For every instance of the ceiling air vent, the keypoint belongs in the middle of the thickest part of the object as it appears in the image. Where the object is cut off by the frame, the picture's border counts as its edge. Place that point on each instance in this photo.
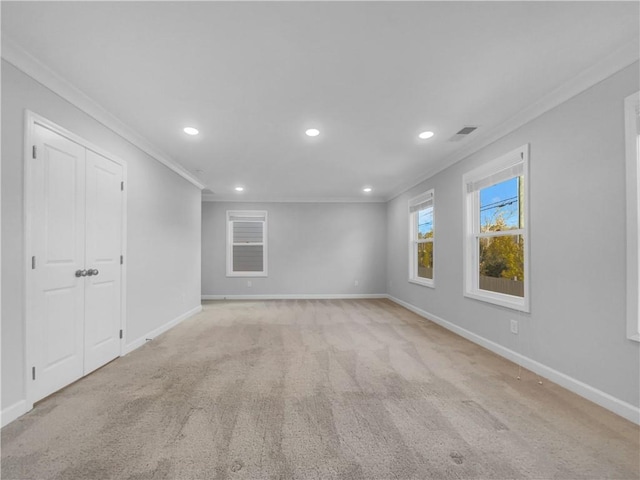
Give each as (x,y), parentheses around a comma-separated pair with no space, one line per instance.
(463,133)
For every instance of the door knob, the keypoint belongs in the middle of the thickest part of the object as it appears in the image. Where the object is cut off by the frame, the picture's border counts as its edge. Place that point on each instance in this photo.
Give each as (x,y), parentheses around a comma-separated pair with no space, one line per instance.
(81,273)
(93,271)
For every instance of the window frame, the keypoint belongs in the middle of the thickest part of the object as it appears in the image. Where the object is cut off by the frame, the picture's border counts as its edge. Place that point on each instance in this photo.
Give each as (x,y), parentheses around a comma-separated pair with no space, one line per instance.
(472,234)
(246,216)
(428,196)
(632,144)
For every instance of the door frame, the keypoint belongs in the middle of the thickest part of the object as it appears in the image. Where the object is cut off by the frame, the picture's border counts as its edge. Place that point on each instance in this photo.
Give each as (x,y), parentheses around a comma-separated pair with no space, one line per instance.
(32,119)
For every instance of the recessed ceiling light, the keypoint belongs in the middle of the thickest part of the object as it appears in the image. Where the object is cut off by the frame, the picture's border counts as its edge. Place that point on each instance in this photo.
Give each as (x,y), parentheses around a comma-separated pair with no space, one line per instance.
(425,135)
(367,189)
(312,132)
(239,189)
(190,131)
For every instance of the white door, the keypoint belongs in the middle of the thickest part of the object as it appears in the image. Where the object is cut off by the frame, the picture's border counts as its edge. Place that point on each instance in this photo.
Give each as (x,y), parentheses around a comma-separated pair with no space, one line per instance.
(58,232)
(103,249)
(76,229)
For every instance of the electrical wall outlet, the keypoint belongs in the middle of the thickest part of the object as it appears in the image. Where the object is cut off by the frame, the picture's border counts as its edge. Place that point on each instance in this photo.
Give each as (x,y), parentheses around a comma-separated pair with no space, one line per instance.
(514,327)
(355,283)
(248,283)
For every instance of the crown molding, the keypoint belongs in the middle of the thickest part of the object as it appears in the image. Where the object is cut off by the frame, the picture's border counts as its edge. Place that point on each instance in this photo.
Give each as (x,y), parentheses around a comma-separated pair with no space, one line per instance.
(613,63)
(42,74)
(212,197)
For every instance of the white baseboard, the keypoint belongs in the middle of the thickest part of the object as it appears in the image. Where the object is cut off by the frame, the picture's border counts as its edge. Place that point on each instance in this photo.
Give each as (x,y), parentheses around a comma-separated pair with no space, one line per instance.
(12,412)
(129,347)
(615,405)
(297,296)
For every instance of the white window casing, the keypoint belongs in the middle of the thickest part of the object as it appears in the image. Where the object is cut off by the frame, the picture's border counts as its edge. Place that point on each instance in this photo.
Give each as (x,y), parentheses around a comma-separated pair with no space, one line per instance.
(246,243)
(425,201)
(632,136)
(511,165)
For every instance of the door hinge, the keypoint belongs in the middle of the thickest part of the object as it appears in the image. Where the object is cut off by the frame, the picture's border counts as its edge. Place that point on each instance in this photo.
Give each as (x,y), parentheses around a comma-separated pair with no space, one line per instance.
(121,259)
(33,263)
(33,373)
(120,333)
(122,186)
(34,151)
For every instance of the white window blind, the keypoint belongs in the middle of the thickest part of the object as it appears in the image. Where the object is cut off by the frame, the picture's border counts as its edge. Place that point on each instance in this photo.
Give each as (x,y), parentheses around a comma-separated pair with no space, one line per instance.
(421,202)
(239,217)
(497,177)
(247,258)
(247,232)
(246,243)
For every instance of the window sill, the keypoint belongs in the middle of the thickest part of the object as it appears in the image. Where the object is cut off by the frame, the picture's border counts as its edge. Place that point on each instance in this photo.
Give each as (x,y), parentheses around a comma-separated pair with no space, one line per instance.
(508,301)
(247,274)
(424,283)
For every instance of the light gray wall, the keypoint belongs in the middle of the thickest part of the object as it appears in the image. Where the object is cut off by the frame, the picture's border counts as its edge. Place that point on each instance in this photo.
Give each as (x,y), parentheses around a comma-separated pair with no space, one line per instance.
(163,238)
(577,236)
(320,248)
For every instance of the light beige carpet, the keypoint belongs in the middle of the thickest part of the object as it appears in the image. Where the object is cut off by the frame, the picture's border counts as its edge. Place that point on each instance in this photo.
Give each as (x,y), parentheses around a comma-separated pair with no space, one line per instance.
(359,389)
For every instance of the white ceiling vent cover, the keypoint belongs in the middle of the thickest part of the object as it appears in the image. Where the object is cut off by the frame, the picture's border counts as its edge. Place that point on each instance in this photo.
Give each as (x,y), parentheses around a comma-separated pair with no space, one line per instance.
(463,133)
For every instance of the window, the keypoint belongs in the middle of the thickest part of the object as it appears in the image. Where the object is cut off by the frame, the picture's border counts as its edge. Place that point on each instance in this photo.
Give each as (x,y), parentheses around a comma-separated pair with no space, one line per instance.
(632,123)
(496,247)
(421,239)
(246,243)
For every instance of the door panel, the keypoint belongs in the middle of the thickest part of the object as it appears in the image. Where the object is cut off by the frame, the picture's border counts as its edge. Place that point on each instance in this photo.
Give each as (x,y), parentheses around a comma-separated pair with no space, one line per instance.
(59,326)
(60,198)
(58,179)
(103,250)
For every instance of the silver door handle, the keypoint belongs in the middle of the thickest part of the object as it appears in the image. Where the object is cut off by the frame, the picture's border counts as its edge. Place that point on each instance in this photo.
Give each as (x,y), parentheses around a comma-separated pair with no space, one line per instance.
(93,271)
(81,273)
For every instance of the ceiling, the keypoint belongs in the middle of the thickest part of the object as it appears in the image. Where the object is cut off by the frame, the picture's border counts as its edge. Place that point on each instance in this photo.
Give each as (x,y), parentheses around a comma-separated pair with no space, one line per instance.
(253,76)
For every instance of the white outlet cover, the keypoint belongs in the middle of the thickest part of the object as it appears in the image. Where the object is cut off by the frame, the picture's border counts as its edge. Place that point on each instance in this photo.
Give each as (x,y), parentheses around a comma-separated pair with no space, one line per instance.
(514,326)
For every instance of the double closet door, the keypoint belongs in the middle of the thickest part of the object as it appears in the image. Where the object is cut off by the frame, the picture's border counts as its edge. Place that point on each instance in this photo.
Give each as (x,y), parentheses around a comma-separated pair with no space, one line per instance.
(76,247)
